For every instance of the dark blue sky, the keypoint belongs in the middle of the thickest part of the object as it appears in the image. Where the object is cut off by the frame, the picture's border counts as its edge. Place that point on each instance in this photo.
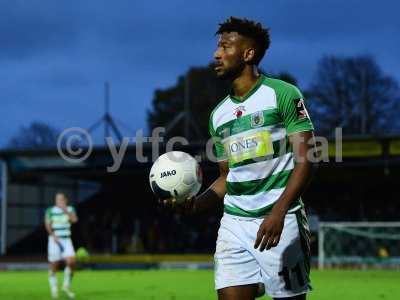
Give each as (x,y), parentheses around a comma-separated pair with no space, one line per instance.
(56,54)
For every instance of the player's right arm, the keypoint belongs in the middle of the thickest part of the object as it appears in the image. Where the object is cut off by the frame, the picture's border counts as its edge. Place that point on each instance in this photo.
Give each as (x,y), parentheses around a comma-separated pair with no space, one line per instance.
(210,199)
(47,225)
(214,195)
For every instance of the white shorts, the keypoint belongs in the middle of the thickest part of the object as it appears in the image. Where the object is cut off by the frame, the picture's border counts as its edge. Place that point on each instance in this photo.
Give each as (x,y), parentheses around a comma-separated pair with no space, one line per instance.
(283,269)
(57,252)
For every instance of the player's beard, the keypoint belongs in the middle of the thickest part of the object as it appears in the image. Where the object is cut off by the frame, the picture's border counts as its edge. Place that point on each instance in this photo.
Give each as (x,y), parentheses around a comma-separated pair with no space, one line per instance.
(231,73)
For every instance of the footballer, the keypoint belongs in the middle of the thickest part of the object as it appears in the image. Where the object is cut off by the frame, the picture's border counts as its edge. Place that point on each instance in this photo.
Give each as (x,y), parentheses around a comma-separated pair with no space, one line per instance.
(263,137)
(58,220)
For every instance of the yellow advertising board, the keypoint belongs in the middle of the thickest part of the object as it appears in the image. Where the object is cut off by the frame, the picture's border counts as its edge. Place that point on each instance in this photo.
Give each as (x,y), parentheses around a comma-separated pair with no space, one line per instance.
(357,148)
(394,147)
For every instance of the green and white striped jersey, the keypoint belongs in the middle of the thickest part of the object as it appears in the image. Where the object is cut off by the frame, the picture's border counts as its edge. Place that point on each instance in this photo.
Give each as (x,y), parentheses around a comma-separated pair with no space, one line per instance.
(252,132)
(59,220)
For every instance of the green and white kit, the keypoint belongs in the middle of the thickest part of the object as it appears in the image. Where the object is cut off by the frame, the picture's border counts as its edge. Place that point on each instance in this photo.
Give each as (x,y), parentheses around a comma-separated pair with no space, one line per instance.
(61,227)
(252,134)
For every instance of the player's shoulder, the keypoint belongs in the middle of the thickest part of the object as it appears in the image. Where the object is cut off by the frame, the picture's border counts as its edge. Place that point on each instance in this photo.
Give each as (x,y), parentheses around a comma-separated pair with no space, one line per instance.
(280,86)
(50,209)
(219,105)
(218,108)
(49,212)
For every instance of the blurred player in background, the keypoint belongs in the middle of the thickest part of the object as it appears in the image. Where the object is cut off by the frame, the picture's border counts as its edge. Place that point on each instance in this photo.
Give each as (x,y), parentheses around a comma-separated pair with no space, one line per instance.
(58,220)
(263,137)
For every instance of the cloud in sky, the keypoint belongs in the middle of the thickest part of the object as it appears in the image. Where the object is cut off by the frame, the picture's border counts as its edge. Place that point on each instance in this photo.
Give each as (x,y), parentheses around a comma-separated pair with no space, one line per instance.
(55,55)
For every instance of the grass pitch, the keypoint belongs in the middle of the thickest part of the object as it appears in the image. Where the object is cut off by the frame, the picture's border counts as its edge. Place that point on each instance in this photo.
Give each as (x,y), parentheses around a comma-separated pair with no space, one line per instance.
(193,285)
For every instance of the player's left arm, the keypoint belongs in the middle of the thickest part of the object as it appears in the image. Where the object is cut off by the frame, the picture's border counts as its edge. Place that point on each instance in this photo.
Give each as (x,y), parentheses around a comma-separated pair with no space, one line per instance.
(301,138)
(270,231)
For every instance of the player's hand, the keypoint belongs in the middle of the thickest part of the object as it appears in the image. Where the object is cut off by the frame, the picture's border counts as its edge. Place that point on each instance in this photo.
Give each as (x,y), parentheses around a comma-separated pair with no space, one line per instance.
(64,207)
(184,207)
(167,203)
(270,231)
(56,239)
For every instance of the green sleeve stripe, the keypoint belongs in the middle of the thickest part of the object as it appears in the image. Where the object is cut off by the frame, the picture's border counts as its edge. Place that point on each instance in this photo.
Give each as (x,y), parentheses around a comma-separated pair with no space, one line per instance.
(286,96)
(211,127)
(210,123)
(219,148)
(47,215)
(299,126)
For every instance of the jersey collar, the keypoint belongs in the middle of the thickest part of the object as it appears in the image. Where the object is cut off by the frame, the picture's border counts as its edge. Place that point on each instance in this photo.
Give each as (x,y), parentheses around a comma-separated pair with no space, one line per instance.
(254,88)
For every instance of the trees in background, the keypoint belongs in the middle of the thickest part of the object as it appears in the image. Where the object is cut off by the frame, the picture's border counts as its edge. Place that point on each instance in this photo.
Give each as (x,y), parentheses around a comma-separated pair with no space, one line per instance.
(37,135)
(355,94)
(204,90)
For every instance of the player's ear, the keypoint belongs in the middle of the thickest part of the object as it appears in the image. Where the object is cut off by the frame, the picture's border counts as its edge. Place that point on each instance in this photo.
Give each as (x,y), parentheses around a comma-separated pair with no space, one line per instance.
(249,54)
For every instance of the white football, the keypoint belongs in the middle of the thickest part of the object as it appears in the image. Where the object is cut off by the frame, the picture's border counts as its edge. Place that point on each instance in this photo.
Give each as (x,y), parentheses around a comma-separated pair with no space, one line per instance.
(176,175)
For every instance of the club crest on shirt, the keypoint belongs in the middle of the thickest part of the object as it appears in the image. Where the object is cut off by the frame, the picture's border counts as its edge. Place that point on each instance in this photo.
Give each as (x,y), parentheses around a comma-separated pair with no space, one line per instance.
(239,111)
(257,119)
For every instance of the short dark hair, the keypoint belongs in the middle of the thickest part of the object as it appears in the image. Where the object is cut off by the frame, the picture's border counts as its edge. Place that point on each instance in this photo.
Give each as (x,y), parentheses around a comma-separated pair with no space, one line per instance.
(249,29)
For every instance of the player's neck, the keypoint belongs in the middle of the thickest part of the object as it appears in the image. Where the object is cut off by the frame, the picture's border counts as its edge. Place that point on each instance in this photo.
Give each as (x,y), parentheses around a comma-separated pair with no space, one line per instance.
(245,82)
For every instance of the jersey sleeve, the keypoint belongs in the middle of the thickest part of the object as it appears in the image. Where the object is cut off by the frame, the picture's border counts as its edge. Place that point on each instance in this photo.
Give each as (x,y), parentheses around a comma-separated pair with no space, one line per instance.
(71,209)
(293,111)
(218,146)
(47,215)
